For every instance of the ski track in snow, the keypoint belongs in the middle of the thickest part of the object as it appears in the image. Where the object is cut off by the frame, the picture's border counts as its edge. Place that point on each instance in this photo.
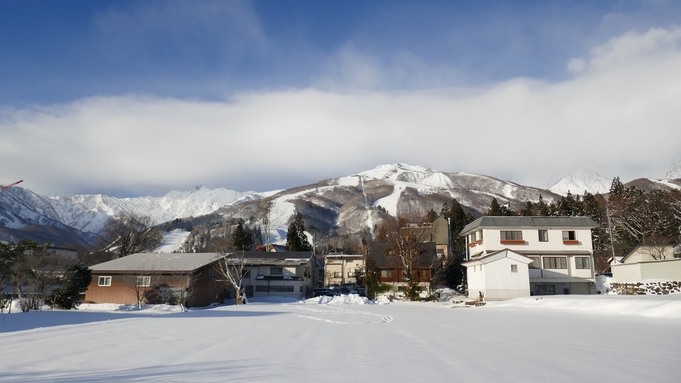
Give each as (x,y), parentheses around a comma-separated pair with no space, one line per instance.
(338,315)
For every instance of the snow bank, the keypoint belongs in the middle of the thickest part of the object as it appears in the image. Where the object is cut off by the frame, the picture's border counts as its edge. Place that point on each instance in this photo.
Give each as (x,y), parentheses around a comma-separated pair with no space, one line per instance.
(352,299)
(668,306)
(129,307)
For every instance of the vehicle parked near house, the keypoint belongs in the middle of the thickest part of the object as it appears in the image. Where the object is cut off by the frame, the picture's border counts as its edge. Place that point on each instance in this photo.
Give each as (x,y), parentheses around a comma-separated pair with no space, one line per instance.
(323,292)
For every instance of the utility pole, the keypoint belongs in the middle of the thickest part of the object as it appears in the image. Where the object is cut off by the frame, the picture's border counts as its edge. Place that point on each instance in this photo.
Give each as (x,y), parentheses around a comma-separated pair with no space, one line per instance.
(10,185)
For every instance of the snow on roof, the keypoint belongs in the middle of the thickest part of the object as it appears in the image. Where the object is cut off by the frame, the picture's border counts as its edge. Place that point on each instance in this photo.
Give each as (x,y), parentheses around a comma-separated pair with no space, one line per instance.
(530,222)
(158,262)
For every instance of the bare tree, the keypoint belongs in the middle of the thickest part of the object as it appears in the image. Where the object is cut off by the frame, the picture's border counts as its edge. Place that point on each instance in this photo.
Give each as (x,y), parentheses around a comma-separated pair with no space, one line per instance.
(178,287)
(266,218)
(128,233)
(138,283)
(658,247)
(231,269)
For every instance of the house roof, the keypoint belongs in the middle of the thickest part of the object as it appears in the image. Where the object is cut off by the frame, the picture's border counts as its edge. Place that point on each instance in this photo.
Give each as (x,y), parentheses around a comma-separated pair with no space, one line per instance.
(530,222)
(497,255)
(177,262)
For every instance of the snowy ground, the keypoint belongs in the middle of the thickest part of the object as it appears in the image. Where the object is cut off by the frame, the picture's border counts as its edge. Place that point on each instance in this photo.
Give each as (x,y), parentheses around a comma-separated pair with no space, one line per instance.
(558,339)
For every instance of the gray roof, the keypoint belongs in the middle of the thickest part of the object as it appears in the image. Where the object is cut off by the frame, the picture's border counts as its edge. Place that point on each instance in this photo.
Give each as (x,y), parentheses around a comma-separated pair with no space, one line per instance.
(530,222)
(157,262)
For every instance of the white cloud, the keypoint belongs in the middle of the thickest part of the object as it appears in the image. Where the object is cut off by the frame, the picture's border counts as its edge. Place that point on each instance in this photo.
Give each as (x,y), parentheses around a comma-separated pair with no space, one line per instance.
(619,115)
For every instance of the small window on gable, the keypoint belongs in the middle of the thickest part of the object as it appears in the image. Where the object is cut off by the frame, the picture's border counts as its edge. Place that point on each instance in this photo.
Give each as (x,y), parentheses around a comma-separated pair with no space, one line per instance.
(514,268)
(104,281)
(543,235)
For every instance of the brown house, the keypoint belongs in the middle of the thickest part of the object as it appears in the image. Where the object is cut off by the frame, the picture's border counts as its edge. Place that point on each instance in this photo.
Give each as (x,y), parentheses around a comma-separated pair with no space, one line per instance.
(392,267)
(188,278)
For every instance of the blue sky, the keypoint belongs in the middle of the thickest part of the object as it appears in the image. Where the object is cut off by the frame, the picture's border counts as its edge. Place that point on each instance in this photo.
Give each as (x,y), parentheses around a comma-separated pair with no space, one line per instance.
(190,89)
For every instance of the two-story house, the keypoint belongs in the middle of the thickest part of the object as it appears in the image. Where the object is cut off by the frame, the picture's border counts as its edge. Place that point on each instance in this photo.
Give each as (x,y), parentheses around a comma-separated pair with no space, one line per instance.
(291,274)
(392,269)
(557,252)
(342,269)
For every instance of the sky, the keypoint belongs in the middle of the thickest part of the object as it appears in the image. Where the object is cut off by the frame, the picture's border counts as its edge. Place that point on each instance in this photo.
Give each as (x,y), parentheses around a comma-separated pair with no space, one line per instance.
(132,98)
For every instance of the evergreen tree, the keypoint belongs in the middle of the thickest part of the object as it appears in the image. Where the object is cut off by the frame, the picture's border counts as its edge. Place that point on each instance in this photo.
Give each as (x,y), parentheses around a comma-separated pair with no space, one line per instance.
(370,277)
(241,239)
(542,208)
(296,240)
(528,210)
(431,216)
(494,209)
(616,188)
(76,280)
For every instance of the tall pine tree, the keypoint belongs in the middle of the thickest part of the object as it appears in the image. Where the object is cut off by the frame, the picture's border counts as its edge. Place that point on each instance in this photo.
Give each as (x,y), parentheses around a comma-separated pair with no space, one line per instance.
(296,239)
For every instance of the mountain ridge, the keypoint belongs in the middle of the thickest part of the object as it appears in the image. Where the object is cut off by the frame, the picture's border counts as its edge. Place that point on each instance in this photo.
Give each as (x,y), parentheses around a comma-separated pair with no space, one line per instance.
(343,205)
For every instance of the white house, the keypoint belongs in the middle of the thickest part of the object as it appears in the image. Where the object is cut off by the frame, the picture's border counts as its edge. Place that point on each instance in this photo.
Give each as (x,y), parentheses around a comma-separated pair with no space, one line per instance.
(646,262)
(560,250)
(499,275)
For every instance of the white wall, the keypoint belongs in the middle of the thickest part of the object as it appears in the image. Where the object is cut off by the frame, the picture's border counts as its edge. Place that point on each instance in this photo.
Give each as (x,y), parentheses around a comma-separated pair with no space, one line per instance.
(492,240)
(637,272)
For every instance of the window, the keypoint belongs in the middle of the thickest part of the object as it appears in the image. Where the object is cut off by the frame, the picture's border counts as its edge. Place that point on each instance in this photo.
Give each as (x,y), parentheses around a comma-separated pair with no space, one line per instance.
(545,290)
(424,273)
(104,281)
(511,235)
(582,263)
(213,274)
(471,238)
(514,268)
(143,281)
(351,274)
(543,235)
(276,271)
(274,289)
(569,235)
(480,235)
(536,264)
(555,263)
(386,273)
(247,274)
(337,274)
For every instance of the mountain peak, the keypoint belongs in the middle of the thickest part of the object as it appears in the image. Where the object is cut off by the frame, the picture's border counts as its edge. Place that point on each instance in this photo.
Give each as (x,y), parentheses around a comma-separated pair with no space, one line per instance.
(675,171)
(581,180)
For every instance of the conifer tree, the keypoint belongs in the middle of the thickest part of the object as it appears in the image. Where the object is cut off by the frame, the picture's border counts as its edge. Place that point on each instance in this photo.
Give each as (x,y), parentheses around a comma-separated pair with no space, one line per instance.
(296,240)
(494,209)
(241,239)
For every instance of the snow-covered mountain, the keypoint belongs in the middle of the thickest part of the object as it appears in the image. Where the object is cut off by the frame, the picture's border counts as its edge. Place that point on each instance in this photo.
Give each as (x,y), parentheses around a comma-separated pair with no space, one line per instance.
(82,216)
(674,171)
(89,213)
(356,203)
(580,181)
(341,206)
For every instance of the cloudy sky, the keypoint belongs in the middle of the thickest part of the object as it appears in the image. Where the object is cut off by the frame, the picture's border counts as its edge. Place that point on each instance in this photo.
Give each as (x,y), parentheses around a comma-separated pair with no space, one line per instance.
(135,98)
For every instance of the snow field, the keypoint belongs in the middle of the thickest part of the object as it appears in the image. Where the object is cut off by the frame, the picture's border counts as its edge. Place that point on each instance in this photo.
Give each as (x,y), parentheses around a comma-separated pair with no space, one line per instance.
(343,339)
